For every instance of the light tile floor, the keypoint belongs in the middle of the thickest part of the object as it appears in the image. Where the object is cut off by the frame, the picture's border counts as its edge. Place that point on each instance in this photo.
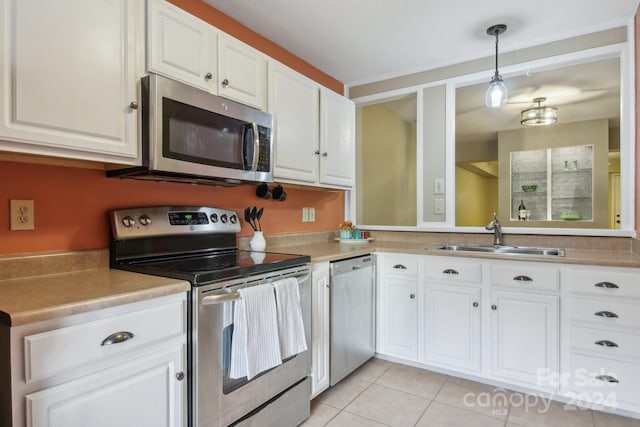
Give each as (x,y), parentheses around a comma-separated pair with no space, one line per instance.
(382,393)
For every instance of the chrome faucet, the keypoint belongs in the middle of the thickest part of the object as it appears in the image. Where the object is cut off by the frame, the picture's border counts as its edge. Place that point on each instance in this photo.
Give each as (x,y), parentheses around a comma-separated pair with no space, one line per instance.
(497,230)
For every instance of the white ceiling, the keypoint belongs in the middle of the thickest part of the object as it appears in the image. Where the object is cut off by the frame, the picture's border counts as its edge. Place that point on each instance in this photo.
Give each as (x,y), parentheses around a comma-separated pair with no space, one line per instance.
(359,41)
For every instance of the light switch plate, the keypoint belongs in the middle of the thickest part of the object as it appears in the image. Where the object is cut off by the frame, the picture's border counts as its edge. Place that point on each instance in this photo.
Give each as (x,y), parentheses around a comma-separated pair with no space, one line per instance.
(312,214)
(438,206)
(438,186)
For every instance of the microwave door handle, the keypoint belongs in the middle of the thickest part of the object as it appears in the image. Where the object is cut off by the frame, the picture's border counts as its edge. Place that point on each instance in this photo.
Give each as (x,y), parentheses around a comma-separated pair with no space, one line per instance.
(256,147)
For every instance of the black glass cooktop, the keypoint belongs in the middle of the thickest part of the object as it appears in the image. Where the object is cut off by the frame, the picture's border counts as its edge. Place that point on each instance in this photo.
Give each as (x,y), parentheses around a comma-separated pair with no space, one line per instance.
(209,268)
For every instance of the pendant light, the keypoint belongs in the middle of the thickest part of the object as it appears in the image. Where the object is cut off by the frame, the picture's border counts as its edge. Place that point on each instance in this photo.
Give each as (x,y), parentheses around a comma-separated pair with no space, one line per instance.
(539,116)
(496,92)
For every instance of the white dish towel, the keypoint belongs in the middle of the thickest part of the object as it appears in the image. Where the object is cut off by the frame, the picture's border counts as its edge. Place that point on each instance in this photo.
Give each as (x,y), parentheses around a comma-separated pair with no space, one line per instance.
(290,323)
(255,345)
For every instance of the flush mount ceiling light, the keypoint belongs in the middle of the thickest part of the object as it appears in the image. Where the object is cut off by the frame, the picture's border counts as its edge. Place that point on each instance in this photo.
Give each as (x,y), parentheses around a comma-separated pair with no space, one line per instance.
(497,91)
(539,116)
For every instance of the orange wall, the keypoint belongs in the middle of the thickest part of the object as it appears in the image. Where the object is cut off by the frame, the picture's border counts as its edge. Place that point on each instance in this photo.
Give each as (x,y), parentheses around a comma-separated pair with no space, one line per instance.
(232,27)
(71,206)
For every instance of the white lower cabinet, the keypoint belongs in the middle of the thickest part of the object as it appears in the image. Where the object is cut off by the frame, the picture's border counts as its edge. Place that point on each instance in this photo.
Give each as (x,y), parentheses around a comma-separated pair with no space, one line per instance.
(320,327)
(141,392)
(400,318)
(120,366)
(524,338)
(451,326)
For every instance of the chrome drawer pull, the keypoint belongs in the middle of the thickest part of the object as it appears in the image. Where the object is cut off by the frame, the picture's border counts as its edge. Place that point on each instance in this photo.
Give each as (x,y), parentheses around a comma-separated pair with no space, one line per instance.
(399,267)
(607,378)
(605,314)
(607,285)
(450,271)
(523,279)
(117,338)
(606,343)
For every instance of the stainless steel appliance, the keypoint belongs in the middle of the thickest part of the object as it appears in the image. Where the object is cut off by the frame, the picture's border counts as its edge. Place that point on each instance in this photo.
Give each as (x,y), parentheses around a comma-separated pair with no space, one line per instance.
(189,135)
(198,244)
(352,315)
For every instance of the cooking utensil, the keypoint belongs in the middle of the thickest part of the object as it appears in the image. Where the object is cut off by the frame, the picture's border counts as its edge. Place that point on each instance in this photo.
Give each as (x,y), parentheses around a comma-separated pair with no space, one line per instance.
(258,216)
(254,214)
(247,217)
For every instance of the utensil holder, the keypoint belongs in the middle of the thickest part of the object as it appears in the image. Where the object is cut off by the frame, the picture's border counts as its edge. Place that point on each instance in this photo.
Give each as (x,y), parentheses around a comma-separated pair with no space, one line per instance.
(258,242)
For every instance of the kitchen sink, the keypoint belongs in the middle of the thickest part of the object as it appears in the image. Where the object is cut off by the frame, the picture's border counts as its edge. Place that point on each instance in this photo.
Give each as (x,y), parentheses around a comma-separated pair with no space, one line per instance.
(501,249)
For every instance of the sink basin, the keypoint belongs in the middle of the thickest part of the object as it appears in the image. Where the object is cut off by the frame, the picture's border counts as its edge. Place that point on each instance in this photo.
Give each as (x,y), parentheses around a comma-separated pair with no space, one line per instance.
(501,249)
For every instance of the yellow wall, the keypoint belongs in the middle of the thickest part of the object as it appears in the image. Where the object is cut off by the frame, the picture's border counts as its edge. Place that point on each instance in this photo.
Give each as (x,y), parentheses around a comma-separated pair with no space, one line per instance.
(476,198)
(386,167)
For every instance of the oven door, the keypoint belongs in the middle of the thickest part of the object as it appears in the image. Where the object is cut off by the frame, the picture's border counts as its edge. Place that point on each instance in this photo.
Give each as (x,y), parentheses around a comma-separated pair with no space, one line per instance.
(217,399)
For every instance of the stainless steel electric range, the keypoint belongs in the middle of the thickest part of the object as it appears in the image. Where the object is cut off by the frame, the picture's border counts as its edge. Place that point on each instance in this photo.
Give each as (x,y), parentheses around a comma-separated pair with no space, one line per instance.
(199,244)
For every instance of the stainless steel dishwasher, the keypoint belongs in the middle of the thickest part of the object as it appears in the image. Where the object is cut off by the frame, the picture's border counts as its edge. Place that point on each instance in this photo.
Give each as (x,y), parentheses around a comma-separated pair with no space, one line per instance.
(352,315)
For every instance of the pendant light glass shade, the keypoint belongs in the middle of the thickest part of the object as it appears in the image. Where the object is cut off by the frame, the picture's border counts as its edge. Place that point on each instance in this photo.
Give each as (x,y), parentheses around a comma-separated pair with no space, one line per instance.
(539,116)
(497,94)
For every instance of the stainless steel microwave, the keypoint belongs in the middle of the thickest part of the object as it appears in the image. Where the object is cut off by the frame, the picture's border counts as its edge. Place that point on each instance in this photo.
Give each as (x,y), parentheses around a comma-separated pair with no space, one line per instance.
(189,135)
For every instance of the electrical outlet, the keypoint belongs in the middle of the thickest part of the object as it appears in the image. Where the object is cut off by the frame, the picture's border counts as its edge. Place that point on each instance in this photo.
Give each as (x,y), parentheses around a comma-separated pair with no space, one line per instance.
(305,214)
(312,214)
(22,214)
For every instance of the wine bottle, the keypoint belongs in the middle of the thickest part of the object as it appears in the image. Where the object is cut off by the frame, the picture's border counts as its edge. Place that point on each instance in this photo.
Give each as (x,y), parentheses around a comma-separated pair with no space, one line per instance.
(521,209)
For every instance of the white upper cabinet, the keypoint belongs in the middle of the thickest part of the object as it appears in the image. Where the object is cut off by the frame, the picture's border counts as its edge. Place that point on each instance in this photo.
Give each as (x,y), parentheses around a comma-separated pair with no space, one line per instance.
(242,72)
(181,46)
(294,103)
(337,139)
(314,131)
(185,48)
(70,72)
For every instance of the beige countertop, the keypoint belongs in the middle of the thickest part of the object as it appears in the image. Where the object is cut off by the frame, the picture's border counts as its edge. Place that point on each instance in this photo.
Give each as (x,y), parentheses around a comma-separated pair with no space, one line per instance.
(34,299)
(332,251)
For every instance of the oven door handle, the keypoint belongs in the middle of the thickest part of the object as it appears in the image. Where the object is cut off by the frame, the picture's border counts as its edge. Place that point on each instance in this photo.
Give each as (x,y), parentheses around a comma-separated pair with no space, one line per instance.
(231,296)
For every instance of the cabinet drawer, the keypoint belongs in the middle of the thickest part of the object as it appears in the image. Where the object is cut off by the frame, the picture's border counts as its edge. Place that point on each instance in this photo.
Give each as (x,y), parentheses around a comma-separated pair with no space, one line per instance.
(605,343)
(452,270)
(401,265)
(604,312)
(536,276)
(603,282)
(604,381)
(49,353)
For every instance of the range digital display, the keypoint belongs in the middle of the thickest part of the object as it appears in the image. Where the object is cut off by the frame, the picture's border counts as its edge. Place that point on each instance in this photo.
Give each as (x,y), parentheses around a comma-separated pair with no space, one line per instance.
(188,218)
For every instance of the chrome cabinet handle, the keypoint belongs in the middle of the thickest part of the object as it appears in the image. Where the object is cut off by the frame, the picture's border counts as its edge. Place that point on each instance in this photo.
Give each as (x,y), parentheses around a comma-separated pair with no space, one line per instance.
(117,338)
(605,313)
(607,285)
(317,152)
(325,154)
(523,279)
(180,376)
(475,303)
(208,76)
(606,343)
(412,296)
(494,307)
(133,105)
(225,83)
(399,267)
(450,271)
(607,378)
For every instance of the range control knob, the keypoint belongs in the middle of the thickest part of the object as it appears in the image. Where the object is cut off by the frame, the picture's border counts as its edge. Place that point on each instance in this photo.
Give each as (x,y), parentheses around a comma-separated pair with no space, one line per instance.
(214,217)
(145,219)
(233,219)
(224,218)
(128,221)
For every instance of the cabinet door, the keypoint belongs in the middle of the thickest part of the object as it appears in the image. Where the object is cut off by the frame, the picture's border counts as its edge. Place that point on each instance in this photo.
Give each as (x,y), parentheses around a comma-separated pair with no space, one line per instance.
(320,331)
(524,337)
(144,392)
(181,46)
(337,139)
(294,103)
(452,325)
(399,320)
(242,72)
(70,73)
